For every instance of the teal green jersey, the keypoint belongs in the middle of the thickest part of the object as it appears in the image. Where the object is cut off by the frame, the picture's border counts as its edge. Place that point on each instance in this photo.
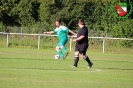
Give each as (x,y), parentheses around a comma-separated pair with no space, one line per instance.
(61,32)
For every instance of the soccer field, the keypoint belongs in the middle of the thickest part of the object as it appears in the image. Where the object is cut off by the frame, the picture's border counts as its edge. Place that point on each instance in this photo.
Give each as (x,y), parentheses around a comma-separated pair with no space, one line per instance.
(32,68)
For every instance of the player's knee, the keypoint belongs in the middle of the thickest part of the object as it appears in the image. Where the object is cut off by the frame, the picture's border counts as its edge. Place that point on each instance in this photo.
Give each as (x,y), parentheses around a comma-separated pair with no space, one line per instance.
(57,48)
(77,53)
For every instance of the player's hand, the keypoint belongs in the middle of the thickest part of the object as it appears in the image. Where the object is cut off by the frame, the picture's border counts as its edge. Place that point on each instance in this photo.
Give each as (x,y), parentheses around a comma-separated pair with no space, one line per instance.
(44,32)
(75,34)
(74,40)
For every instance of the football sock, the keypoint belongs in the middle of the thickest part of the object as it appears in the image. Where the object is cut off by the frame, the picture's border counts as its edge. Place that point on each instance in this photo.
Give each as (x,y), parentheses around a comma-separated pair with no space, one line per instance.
(64,49)
(87,59)
(60,53)
(76,59)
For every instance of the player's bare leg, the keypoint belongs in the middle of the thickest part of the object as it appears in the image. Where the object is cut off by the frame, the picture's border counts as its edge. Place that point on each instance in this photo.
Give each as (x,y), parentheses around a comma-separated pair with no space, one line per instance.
(63,47)
(59,51)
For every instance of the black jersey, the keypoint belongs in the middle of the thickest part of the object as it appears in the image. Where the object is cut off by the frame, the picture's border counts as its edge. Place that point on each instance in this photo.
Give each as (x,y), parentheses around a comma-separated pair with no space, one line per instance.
(83,31)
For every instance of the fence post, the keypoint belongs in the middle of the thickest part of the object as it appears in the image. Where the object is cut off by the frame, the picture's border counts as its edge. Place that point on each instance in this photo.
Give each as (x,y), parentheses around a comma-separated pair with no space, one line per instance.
(71,43)
(21,32)
(38,42)
(103,44)
(7,40)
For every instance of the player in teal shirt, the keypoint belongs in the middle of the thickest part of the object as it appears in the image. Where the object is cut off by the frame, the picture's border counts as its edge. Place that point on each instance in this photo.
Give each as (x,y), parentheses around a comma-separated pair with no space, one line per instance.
(62,34)
(61,31)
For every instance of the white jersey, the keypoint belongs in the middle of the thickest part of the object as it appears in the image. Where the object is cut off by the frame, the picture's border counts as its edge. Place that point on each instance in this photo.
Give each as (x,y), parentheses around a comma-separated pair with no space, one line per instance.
(61,32)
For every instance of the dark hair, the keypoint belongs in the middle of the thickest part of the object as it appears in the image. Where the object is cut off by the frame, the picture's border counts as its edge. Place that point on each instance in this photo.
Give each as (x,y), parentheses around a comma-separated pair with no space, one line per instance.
(58,21)
(81,21)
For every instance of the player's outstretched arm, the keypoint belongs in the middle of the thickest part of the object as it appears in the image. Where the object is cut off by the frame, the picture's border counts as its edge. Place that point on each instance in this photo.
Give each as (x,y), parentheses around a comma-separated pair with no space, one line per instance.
(72,33)
(79,38)
(50,32)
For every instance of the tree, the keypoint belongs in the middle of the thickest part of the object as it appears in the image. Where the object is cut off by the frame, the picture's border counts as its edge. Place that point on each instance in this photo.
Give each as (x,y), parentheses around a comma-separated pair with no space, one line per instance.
(5,12)
(24,12)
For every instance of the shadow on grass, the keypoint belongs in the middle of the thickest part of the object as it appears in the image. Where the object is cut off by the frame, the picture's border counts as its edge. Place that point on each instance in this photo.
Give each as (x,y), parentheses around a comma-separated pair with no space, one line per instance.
(117,68)
(21,59)
(61,69)
(72,69)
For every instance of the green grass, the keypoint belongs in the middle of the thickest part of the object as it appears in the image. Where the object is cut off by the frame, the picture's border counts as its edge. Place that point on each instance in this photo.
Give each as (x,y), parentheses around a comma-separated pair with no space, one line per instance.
(32,68)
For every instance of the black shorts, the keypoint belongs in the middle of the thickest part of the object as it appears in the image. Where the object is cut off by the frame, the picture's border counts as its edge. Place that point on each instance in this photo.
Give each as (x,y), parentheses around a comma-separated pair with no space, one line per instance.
(82,48)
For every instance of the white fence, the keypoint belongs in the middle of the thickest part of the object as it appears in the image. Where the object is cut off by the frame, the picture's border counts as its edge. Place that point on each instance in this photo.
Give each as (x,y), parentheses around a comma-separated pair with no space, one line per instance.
(71,38)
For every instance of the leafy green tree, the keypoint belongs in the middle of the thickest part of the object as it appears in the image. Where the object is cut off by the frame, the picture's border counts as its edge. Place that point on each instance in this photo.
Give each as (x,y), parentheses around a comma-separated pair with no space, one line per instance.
(24,13)
(5,9)
(45,14)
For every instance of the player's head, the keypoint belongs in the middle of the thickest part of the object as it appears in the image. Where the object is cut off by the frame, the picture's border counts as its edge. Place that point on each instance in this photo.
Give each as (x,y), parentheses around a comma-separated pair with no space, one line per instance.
(58,23)
(81,23)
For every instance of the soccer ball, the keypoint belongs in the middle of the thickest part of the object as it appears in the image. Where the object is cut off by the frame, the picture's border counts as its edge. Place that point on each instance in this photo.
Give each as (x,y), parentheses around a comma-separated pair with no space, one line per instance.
(57,56)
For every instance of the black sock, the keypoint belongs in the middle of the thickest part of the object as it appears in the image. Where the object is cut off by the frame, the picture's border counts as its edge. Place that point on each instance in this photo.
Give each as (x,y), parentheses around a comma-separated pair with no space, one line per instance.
(87,59)
(76,59)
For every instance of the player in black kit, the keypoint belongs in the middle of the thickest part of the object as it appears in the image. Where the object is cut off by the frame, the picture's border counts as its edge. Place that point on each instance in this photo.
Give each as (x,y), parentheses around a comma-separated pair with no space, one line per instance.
(81,44)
